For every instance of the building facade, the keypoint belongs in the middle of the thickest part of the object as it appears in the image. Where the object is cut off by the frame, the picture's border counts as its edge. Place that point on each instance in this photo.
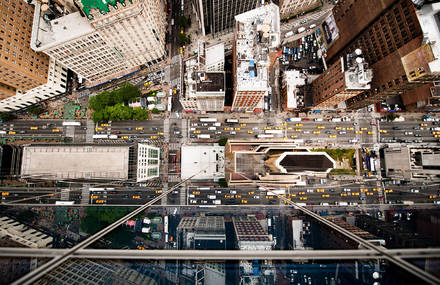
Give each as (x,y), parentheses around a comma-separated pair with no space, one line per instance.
(23,234)
(344,79)
(148,162)
(217,17)
(26,76)
(256,39)
(106,41)
(290,8)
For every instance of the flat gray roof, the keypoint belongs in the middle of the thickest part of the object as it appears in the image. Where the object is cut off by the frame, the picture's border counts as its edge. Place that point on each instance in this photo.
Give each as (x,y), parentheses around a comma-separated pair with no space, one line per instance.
(75,162)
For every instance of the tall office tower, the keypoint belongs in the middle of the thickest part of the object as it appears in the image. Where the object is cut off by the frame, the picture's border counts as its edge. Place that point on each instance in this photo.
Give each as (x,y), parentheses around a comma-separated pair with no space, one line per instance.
(347,77)
(294,7)
(217,16)
(205,80)
(391,34)
(98,40)
(256,40)
(22,69)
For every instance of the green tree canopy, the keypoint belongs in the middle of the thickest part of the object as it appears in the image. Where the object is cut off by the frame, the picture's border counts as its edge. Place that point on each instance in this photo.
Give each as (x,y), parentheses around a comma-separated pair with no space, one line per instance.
(222,141)
(4,116)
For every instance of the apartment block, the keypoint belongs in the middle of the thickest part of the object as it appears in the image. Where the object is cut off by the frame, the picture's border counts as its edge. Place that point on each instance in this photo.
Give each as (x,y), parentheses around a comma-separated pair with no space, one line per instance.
(26,76)
(216,17)
(348,77)
(256,39)
(23,234)
(101,41)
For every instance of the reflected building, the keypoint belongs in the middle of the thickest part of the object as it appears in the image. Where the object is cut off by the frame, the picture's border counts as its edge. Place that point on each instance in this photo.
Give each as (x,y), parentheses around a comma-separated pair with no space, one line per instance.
(204,232)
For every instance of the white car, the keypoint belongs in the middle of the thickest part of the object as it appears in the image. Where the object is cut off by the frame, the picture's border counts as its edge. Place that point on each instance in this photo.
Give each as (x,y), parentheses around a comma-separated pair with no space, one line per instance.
(256,197)
(193,201)
(414,190)
(309,190)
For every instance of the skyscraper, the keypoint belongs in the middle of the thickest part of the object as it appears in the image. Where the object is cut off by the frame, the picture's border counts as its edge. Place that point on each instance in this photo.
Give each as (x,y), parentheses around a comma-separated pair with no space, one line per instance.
(294,7)
(347,77)
(22,70)
(100,41)
(256,39)
(217,16)
(386,32)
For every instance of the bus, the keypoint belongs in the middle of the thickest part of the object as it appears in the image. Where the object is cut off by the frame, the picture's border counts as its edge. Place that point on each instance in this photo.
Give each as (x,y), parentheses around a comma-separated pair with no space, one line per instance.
(213,120)
(64,202)
(264,136)
(113,137)
(169,104)
(72,124)
(231,121)
(204,136)
(273,131)
(100,136)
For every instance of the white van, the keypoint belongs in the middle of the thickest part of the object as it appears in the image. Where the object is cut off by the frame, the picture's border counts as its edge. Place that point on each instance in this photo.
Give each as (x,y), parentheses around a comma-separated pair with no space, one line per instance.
(300,30)
(318,120)
(212,128)
(312,26)
(288,34)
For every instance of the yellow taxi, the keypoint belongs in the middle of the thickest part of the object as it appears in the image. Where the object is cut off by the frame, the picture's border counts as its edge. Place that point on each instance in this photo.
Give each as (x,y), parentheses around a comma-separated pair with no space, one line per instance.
(244,201)
(321,127)
(5,193)
(284,124)
(320,190)
(363,129)
(301,193)
(12,133)
(98,129)
(316,132)
(359,132)
(278,128)
(94,197)
(338,128)
(196,132)
(298,130)
(303,198)
(146,84)
(285,138)
(250,132)
(437,136)
(388,190)
(332,136)
(354,193)
(227,129)
(237,195)
(124,137)
(299,125)
(286,202)
(383,131)
(376,189)
(290,128)
(160,133)
(180,51)
(423,125)
(99,201)
(269,197)
(243,125)
(158,191)
(55,130)
(237,129)
(363,189)
(350,129)
(268,128)
(139,128)
(136,197)
(371,133)
(104,125)
(325,195)
(293,136)
(369,193)
(227,196)
(432,196)
(251,192)
(343,194)
(33,128)
(151,137)
(292,195)
(196,192)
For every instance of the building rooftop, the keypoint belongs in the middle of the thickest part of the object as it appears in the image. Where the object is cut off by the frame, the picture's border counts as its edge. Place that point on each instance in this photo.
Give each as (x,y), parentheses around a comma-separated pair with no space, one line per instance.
(431,160)
(215,54)
(249,229)
(257,33)
(293,79)
(356,71)
(101,5)
(305,161)
(75,162)
(207,161)
(210,81)
(51,28)
(397,161)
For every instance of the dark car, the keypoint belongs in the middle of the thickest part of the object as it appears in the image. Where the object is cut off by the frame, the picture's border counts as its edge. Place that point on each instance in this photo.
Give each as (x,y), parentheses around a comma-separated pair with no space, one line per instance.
(192,136)
(116,132)
(129,129)
(154,129)
(179,136)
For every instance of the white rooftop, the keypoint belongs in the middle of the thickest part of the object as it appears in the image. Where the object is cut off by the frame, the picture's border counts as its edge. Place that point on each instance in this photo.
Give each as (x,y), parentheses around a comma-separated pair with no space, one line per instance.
(428,21)
(46,34)
(215,54)
(293,79)
(207,161)
(75,162)
(258,32)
